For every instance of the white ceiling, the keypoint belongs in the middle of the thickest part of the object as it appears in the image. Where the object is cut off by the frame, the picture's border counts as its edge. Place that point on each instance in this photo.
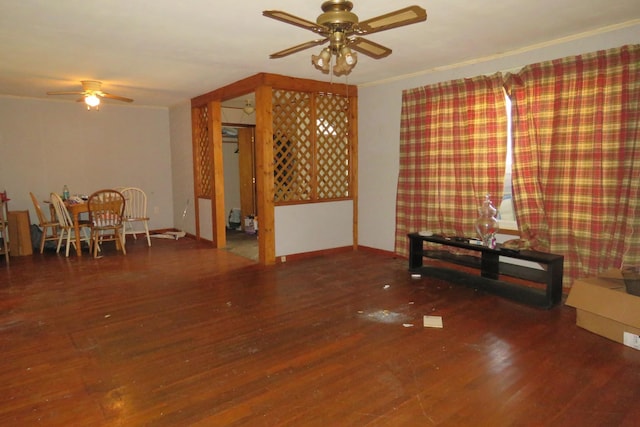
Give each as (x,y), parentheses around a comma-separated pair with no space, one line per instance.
(163,52)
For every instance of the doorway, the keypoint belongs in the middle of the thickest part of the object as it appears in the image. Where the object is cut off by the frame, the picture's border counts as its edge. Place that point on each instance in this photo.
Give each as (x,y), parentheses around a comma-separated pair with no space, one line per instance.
(240,189)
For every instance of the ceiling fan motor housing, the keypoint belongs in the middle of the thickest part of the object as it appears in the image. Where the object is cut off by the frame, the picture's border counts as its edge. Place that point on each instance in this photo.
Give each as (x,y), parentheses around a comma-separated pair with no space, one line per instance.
(337,15)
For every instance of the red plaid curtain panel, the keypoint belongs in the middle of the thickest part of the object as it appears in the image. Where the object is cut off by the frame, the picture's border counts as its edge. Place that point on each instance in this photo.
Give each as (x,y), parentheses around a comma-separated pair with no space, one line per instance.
(576,157)
(452,153)
(576,168)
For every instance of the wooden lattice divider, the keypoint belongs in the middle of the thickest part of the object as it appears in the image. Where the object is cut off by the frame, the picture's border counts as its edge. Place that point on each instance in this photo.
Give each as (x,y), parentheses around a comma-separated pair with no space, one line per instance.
(203,149)
(311,146)
(293,146)
(332,146)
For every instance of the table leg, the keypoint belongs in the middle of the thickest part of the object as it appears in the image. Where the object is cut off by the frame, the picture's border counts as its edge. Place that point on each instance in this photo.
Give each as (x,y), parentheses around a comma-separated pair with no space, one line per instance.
(554,281)
(415,252)
(76,228)
(490,265)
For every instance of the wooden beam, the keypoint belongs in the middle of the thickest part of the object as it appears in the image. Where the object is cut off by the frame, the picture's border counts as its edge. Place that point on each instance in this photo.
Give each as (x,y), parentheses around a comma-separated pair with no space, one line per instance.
(275,81)
(195,131)
(217,198)
(264,175)
(353,139)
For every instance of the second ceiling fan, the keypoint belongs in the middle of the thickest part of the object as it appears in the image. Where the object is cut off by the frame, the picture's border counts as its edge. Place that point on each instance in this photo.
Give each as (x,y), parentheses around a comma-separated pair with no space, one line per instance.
(91,94)
(343,30)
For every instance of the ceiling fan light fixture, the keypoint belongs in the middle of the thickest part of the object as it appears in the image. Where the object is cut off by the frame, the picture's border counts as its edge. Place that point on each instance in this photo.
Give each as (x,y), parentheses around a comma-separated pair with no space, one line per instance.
(349,57)
(341,68)
(325,57)
(248,108)
(92,101)
(91,94)
(345,63)
(322,61)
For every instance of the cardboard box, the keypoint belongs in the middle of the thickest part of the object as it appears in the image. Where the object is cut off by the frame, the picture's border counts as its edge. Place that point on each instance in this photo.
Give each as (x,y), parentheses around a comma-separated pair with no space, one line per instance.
(19,233)
(604,307)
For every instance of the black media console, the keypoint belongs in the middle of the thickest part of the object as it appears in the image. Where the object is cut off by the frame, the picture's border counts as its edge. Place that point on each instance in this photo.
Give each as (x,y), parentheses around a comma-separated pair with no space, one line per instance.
(491,268)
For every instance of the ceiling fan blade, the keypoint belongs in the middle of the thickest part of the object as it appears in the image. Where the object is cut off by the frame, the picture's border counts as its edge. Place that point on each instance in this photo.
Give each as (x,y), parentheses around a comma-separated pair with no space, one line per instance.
(294,20)
(369,48)
(66,93)
(399,18)
(298,48)
(116,97)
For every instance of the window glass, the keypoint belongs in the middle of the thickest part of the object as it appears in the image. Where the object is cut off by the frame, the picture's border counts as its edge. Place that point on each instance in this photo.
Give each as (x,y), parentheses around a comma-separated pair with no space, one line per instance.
(506,214)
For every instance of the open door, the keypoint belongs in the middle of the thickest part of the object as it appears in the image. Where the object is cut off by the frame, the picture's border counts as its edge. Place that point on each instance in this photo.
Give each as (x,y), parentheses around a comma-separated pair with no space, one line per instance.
(247,167)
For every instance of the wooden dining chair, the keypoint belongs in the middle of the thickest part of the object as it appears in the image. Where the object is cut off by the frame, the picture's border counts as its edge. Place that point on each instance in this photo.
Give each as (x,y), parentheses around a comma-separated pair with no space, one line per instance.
(49,226)
(65,223)
(4,230)
(106,210)
(135,211)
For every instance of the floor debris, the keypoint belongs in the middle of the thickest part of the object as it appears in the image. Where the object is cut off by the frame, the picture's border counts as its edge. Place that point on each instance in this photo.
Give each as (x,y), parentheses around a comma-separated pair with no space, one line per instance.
(386,316)
(432,321)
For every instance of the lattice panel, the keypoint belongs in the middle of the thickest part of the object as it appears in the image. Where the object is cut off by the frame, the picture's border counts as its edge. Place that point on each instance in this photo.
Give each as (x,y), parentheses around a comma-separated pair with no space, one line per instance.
(292,146)
(332,146)
(203,147)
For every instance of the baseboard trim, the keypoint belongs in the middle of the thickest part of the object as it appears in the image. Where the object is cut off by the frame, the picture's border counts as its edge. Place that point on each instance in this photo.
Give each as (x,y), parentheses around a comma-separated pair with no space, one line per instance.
(389,254)
(305,255)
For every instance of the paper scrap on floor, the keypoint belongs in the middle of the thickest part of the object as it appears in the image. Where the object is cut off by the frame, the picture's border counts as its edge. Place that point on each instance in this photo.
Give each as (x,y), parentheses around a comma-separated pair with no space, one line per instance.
(432,321)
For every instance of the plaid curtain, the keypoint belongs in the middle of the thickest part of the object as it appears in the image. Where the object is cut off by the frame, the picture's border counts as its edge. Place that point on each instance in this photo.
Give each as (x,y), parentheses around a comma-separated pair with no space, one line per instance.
(576,158)
(452,153)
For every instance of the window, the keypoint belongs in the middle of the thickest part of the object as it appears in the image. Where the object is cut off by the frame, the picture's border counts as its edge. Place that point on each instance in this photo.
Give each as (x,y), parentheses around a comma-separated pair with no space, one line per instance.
(506,215)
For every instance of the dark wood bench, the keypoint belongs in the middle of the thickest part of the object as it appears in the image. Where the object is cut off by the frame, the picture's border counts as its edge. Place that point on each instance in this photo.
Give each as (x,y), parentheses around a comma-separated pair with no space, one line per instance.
(491,268)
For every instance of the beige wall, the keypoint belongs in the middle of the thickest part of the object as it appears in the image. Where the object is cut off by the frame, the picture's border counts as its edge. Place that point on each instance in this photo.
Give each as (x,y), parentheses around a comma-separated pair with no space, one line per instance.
(182,166)
(45,144)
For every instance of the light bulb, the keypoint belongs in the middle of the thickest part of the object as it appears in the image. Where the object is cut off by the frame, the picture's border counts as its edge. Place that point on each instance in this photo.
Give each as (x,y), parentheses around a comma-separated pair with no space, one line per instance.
(92,100)
(349,57)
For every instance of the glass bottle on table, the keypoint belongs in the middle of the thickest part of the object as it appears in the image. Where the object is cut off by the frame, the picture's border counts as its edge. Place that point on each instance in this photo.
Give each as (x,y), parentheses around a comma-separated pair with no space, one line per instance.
(487,225)
(65,193)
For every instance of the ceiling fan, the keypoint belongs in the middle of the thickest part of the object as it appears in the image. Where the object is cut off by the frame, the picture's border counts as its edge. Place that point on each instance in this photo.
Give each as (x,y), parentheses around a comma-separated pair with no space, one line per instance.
(91,94)
(342,29)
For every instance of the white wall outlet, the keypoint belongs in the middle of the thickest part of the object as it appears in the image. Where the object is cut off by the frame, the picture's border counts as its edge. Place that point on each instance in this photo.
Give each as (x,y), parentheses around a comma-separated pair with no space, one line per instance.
(631,340)
(283,259)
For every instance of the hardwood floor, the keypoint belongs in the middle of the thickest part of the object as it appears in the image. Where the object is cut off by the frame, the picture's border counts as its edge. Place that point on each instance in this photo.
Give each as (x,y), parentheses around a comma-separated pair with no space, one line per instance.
(180,334)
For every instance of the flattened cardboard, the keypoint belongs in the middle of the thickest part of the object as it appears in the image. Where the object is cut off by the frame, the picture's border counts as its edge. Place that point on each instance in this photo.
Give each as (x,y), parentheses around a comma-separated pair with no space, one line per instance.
(604,307)
(612,273)
(432,321)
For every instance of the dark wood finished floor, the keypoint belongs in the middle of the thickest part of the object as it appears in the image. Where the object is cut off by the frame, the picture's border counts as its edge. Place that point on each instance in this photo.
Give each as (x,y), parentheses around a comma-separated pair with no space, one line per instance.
(180,334)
